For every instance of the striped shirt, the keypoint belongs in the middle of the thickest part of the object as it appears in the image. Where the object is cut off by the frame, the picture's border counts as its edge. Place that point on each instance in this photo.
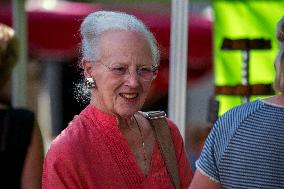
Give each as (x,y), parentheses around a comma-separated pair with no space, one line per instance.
(245,149)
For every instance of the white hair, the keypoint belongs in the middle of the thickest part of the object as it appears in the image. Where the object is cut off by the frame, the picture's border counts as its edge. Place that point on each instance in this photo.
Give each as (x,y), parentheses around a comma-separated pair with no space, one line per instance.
(98,22)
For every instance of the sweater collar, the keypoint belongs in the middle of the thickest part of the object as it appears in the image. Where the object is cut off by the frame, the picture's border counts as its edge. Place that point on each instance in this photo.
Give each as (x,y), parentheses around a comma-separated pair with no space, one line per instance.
(107,122)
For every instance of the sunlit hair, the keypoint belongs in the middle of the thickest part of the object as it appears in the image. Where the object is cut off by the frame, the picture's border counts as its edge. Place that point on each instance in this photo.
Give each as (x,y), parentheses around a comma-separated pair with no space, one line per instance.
(98,22)
(9,52)
(279,78)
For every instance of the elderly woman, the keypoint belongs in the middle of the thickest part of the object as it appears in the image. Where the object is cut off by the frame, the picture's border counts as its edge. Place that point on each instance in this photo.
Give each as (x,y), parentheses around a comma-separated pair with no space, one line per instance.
(110,144)
(245,149)
(21,148)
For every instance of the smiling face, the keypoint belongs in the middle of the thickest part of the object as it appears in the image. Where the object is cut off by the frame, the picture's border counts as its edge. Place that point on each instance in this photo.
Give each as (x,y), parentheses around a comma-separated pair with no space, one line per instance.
(120,94)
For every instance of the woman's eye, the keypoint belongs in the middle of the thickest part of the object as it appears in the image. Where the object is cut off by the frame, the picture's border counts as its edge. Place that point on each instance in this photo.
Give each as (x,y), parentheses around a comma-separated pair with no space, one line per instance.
(145,70)
(119,70)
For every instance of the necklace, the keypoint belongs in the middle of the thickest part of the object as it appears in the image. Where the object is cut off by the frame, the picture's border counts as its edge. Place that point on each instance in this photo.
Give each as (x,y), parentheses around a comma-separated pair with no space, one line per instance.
(143,146)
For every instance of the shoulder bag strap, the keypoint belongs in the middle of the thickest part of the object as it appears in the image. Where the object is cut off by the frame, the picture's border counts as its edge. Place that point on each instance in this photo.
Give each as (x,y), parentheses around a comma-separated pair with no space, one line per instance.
(163,136)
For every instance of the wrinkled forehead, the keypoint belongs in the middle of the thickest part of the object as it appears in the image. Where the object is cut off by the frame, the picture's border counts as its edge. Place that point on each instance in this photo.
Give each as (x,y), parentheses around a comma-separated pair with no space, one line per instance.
(124,44)
(124,37)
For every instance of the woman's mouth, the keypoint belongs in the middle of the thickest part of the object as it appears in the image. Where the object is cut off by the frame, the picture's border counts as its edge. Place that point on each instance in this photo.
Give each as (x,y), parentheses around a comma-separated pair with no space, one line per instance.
(129,96)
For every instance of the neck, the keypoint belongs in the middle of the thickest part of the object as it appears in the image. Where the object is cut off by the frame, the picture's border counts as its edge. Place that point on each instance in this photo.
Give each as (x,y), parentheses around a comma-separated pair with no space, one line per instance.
(123,121)
(277,99)
(126,123)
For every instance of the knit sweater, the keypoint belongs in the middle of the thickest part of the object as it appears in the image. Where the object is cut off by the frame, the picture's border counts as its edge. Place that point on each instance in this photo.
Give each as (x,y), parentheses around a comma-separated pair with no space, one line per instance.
(92,153)
(245,149)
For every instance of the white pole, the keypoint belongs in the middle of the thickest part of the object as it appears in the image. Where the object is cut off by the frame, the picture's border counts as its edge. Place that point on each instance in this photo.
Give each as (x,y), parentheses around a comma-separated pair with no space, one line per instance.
(19,76)
(178,64)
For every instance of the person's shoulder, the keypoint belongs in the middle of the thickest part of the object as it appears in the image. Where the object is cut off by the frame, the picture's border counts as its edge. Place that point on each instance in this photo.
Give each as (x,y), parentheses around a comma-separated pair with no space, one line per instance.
(240,112)
(72,129)
(172,125)
(175,132)
(78,132)
(69,138)
(169,123)
(153,115)
(230,121)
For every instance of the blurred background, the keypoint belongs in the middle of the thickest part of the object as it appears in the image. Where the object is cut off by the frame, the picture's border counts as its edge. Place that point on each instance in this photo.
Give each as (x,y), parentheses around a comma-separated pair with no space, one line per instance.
(219,75)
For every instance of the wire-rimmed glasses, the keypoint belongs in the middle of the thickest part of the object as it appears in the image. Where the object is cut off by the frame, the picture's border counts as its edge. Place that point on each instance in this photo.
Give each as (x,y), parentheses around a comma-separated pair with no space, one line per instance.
(145,72)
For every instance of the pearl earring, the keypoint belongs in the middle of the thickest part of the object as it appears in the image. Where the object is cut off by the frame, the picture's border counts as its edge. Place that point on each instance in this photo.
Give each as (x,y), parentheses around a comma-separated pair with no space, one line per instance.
(90,82)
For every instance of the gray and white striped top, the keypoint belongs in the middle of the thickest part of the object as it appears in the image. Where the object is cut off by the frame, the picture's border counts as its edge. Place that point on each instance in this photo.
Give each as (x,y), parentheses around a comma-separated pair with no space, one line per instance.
(245,149)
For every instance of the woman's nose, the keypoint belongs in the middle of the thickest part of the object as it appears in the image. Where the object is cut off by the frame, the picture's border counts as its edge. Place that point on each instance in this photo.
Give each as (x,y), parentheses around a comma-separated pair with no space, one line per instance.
(132,78)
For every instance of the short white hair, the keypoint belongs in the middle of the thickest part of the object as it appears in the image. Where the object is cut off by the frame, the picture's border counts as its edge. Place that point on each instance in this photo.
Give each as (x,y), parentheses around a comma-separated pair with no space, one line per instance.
(98,22)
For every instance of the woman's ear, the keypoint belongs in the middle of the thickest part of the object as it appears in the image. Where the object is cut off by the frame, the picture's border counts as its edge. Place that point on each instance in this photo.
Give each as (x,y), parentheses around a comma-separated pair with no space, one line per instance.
(87,67)
(155,75)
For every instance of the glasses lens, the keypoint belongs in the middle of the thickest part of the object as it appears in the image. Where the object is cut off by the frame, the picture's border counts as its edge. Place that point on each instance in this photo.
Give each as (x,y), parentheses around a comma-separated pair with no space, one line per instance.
(118,70)
(146,73)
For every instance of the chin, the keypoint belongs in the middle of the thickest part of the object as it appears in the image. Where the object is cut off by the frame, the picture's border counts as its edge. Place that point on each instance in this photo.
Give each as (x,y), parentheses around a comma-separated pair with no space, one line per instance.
(127,113)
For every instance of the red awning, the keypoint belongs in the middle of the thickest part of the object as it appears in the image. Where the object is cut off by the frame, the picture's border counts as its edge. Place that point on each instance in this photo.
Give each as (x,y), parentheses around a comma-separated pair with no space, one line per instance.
(55,33)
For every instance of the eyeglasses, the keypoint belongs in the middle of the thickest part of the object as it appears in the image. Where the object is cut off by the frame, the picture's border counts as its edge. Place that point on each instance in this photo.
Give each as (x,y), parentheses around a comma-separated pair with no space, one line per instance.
(145,72)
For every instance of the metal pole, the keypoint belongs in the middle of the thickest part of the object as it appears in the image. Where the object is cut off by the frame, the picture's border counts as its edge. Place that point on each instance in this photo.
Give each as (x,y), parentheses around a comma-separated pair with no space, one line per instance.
(245,71)
(19,78)
(178,64)
(53,78)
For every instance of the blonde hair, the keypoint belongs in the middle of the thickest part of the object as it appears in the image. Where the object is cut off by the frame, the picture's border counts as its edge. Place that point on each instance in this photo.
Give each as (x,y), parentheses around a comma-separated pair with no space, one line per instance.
(9,52)
(279,78)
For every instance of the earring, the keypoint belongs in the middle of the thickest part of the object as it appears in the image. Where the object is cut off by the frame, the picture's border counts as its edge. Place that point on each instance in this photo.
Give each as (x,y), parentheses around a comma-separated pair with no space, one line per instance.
(90,82)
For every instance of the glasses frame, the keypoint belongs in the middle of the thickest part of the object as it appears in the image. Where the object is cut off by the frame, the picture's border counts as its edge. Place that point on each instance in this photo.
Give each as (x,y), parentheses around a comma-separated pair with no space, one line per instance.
(154,70)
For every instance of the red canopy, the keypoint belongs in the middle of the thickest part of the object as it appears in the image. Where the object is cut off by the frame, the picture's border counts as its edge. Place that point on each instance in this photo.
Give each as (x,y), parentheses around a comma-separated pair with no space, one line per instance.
(55,33)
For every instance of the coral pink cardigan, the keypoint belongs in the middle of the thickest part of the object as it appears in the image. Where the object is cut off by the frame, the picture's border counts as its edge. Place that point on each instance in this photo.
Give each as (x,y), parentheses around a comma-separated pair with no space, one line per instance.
(92,153)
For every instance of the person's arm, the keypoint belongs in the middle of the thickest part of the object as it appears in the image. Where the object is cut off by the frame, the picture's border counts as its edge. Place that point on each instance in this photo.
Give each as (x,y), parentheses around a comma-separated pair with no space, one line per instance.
(32,170)
(206,175)
(201,181)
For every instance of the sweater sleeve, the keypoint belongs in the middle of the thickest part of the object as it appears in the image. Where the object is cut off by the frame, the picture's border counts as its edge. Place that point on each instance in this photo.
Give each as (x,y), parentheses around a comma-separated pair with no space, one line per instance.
(185,172)
(207,162)
(219,139)
(58,169)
